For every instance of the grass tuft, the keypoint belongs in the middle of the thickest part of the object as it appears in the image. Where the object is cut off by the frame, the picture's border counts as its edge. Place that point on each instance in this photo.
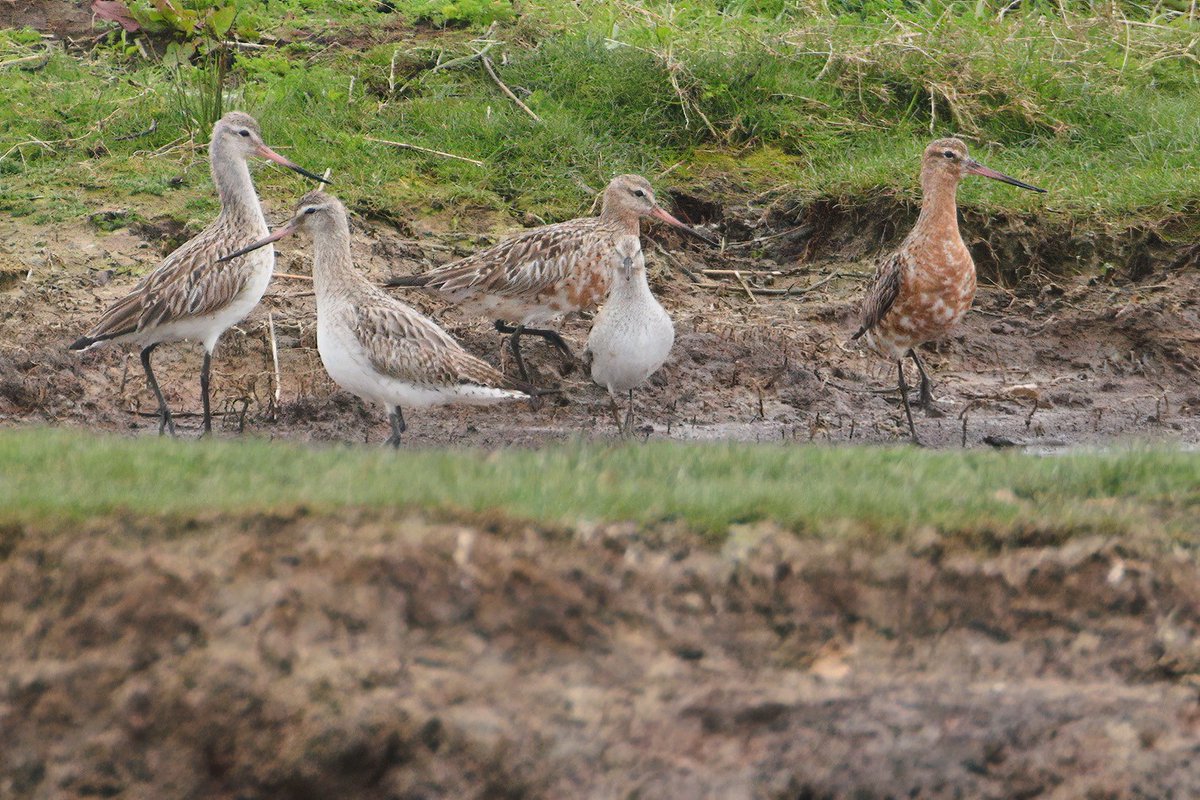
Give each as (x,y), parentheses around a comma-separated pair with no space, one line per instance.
(835,99)
(989,500)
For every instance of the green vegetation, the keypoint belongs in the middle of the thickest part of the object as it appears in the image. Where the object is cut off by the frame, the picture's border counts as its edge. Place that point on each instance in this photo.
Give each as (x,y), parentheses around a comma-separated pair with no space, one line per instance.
(1149,498)
(833,98)
(816,100)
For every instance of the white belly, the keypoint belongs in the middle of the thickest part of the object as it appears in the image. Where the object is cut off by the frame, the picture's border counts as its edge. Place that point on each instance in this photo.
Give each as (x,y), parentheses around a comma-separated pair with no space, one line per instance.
(347,363)
(628,347)
(209,327)
(511,310)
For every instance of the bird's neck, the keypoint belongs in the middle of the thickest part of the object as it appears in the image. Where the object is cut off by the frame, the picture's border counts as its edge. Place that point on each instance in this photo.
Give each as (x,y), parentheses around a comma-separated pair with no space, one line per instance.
(626,221)
(634,290)
(333,265)
(939,209)
(231,175)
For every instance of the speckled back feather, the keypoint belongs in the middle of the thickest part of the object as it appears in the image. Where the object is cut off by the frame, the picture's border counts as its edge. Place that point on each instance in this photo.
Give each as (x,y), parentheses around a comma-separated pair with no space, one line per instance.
(885,287)
(190,283)
(530,264)
(403,344)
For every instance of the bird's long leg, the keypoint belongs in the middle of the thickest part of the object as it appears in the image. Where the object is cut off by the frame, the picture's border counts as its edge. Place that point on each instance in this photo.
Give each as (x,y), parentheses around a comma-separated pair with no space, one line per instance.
(165,422)
(204,374)
(398,427)
(552,337)
(514,345)
(627,428)
(569,359)
(904,399)
(925,395)
(616,412)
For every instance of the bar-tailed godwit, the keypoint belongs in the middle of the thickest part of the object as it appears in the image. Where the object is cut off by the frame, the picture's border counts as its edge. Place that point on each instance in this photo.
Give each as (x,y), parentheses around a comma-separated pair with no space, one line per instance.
(544,273)
(924,288)
(632,334)
(371,344)
(193,294)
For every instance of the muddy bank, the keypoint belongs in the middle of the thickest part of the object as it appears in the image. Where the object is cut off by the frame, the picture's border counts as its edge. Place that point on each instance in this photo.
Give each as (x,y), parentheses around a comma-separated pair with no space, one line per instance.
(761,354)
(302,657)
(1011,250)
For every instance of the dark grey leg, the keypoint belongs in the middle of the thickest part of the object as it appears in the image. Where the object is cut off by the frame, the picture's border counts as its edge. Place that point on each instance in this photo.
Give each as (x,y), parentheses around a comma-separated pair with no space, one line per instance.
(627,428)
(398,427)
(164,413)
(904,399)
(925,394)
(553,337)
(514,345)
(204,373)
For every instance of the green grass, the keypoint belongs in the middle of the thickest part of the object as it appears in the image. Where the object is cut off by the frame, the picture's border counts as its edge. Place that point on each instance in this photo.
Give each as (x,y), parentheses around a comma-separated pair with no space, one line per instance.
(1148,498)
(821,99)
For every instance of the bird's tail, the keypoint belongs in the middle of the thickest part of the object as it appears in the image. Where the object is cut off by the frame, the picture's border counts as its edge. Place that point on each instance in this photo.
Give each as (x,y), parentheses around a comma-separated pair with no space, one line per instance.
(84,342)
(407,280)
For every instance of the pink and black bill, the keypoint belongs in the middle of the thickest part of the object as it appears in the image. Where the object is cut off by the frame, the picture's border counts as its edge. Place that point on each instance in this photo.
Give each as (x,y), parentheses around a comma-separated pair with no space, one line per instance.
(271,155)
(975,168)
(658,212)
(283,230)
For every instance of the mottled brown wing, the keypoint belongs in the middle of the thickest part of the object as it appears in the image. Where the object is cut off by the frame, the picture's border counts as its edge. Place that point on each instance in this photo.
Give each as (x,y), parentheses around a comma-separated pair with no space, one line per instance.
(525,265)
(407,346)
(189,283)
(193,283)
(885,287)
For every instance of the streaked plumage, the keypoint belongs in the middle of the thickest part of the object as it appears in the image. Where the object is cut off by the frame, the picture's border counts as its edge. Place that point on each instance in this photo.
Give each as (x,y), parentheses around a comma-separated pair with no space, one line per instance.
(923,289)
(631,336)
(536,276)
(193,294)
(540,275)
(375,346)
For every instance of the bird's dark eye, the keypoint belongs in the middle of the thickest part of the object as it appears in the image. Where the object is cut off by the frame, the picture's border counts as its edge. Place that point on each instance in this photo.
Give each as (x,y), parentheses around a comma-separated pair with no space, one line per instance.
(949,154)
(244,133)
(638,193)
(310,210)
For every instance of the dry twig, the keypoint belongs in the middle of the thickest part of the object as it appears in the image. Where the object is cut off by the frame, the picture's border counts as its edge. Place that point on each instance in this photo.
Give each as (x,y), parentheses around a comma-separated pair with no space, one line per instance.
(487,65)
(428,150)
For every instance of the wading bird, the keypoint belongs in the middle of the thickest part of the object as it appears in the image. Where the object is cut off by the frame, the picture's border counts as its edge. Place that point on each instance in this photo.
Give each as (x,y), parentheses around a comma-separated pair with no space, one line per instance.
(544,273)
(924,288)
(371,344)
(194,293)
(632,334)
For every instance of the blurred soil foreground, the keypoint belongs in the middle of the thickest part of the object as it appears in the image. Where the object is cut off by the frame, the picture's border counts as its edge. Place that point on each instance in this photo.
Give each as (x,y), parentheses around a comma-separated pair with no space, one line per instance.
(304,656)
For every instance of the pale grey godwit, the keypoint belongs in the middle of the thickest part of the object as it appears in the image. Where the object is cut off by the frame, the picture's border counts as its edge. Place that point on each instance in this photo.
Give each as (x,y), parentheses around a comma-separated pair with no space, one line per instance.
(924,288)
(371,344)
(194,294)
(544,273)
(632,334)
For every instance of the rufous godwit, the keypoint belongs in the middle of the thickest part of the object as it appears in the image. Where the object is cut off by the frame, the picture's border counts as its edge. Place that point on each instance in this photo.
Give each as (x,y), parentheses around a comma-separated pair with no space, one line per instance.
(194,294)
(541,274)
(371,344)
(632,334)
(924,288)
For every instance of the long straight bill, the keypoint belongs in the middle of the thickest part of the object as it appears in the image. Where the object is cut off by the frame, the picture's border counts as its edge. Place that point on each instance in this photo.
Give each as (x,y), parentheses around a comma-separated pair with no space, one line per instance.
(284,230)
(975,168)
(658,212)
(271,155)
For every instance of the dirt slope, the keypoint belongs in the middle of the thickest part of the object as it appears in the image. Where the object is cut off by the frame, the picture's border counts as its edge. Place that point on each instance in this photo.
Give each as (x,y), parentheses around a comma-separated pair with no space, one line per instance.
(307,657)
